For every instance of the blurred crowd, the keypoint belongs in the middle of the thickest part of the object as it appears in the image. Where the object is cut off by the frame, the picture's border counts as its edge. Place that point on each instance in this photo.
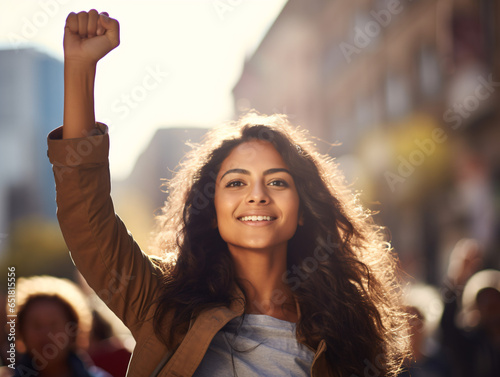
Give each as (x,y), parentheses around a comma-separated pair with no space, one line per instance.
(456,327)
(62,331)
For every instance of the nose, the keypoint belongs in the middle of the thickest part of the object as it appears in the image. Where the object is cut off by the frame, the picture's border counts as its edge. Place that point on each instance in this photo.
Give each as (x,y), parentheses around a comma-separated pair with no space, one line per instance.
(258,194)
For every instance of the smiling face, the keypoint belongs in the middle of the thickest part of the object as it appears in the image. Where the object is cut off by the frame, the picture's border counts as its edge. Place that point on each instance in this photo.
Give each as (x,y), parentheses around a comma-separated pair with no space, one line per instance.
(256,202)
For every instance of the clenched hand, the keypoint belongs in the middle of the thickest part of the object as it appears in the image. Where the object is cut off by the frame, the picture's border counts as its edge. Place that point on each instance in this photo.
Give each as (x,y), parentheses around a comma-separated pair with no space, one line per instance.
(88,36)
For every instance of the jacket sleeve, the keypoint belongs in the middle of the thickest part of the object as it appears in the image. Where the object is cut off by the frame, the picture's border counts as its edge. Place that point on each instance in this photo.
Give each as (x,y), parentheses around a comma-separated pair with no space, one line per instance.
(102,249)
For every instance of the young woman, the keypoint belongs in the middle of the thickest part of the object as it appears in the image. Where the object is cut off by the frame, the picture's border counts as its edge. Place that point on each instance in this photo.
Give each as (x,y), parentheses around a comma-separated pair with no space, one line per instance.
(270,267)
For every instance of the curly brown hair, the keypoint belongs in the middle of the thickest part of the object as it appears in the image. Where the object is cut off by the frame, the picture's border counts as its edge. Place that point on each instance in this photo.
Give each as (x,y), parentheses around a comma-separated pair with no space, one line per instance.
(349,295)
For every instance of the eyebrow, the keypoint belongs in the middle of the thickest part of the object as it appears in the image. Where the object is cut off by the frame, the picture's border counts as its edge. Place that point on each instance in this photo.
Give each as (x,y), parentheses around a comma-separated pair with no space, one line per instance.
(246,172)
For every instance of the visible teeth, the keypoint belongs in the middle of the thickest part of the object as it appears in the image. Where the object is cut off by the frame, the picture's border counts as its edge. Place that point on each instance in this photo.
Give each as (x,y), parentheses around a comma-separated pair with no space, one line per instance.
(256,218)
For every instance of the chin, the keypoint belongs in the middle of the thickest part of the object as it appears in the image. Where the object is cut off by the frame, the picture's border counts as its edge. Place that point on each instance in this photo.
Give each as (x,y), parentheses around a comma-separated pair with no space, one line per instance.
(255,245)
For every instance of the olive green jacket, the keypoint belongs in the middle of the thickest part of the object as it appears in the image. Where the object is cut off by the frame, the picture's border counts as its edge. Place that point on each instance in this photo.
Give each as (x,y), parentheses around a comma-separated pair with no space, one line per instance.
(120,273)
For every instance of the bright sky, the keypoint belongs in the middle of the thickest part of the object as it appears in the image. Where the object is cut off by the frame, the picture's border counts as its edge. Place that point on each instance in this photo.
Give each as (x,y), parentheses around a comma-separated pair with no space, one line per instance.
(176,65)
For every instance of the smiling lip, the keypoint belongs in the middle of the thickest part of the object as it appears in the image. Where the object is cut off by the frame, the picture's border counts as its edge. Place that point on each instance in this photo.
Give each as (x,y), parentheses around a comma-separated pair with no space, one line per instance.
(257,223)
(257,220)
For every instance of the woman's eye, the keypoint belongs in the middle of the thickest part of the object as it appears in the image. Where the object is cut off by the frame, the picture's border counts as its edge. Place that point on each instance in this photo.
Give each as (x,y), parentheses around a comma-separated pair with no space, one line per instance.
(278,183)
(234,184)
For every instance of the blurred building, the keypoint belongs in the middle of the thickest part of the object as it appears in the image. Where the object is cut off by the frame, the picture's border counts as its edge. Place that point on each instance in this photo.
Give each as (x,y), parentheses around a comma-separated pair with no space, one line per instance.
(31,98)
(141,195)
(410,90)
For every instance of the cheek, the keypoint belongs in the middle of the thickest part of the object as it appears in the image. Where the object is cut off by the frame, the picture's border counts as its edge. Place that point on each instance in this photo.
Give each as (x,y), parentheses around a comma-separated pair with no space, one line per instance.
(225,204)
(217,200)
(294,205)
(221,208)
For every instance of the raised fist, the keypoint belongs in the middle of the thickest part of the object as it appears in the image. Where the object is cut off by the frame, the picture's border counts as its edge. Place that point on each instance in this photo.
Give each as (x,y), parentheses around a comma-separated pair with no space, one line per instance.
(88,36)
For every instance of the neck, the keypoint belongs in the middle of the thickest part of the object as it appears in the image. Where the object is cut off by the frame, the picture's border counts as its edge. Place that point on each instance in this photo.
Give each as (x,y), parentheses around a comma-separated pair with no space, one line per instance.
(261,274)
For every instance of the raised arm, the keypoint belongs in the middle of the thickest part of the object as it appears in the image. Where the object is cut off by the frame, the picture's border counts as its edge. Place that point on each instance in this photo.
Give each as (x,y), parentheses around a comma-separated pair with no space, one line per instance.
(102,249)
(88,36)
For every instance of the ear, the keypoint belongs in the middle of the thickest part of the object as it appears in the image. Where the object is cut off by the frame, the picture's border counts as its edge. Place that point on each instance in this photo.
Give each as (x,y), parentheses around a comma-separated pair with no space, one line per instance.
(301,218)
(214,223)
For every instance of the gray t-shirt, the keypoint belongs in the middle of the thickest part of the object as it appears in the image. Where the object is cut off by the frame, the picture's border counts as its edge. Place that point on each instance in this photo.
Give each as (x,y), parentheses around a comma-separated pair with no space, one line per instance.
(260,346)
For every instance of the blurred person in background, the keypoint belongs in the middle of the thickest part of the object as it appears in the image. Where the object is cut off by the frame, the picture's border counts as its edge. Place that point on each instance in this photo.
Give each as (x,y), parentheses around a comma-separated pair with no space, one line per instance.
(425,308)
(53,322)
(474,200)
(471,331)
(105,349)
(264,246)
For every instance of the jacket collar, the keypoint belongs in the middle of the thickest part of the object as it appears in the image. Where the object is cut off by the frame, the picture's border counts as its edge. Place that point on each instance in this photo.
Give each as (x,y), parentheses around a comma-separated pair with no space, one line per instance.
(203,328)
